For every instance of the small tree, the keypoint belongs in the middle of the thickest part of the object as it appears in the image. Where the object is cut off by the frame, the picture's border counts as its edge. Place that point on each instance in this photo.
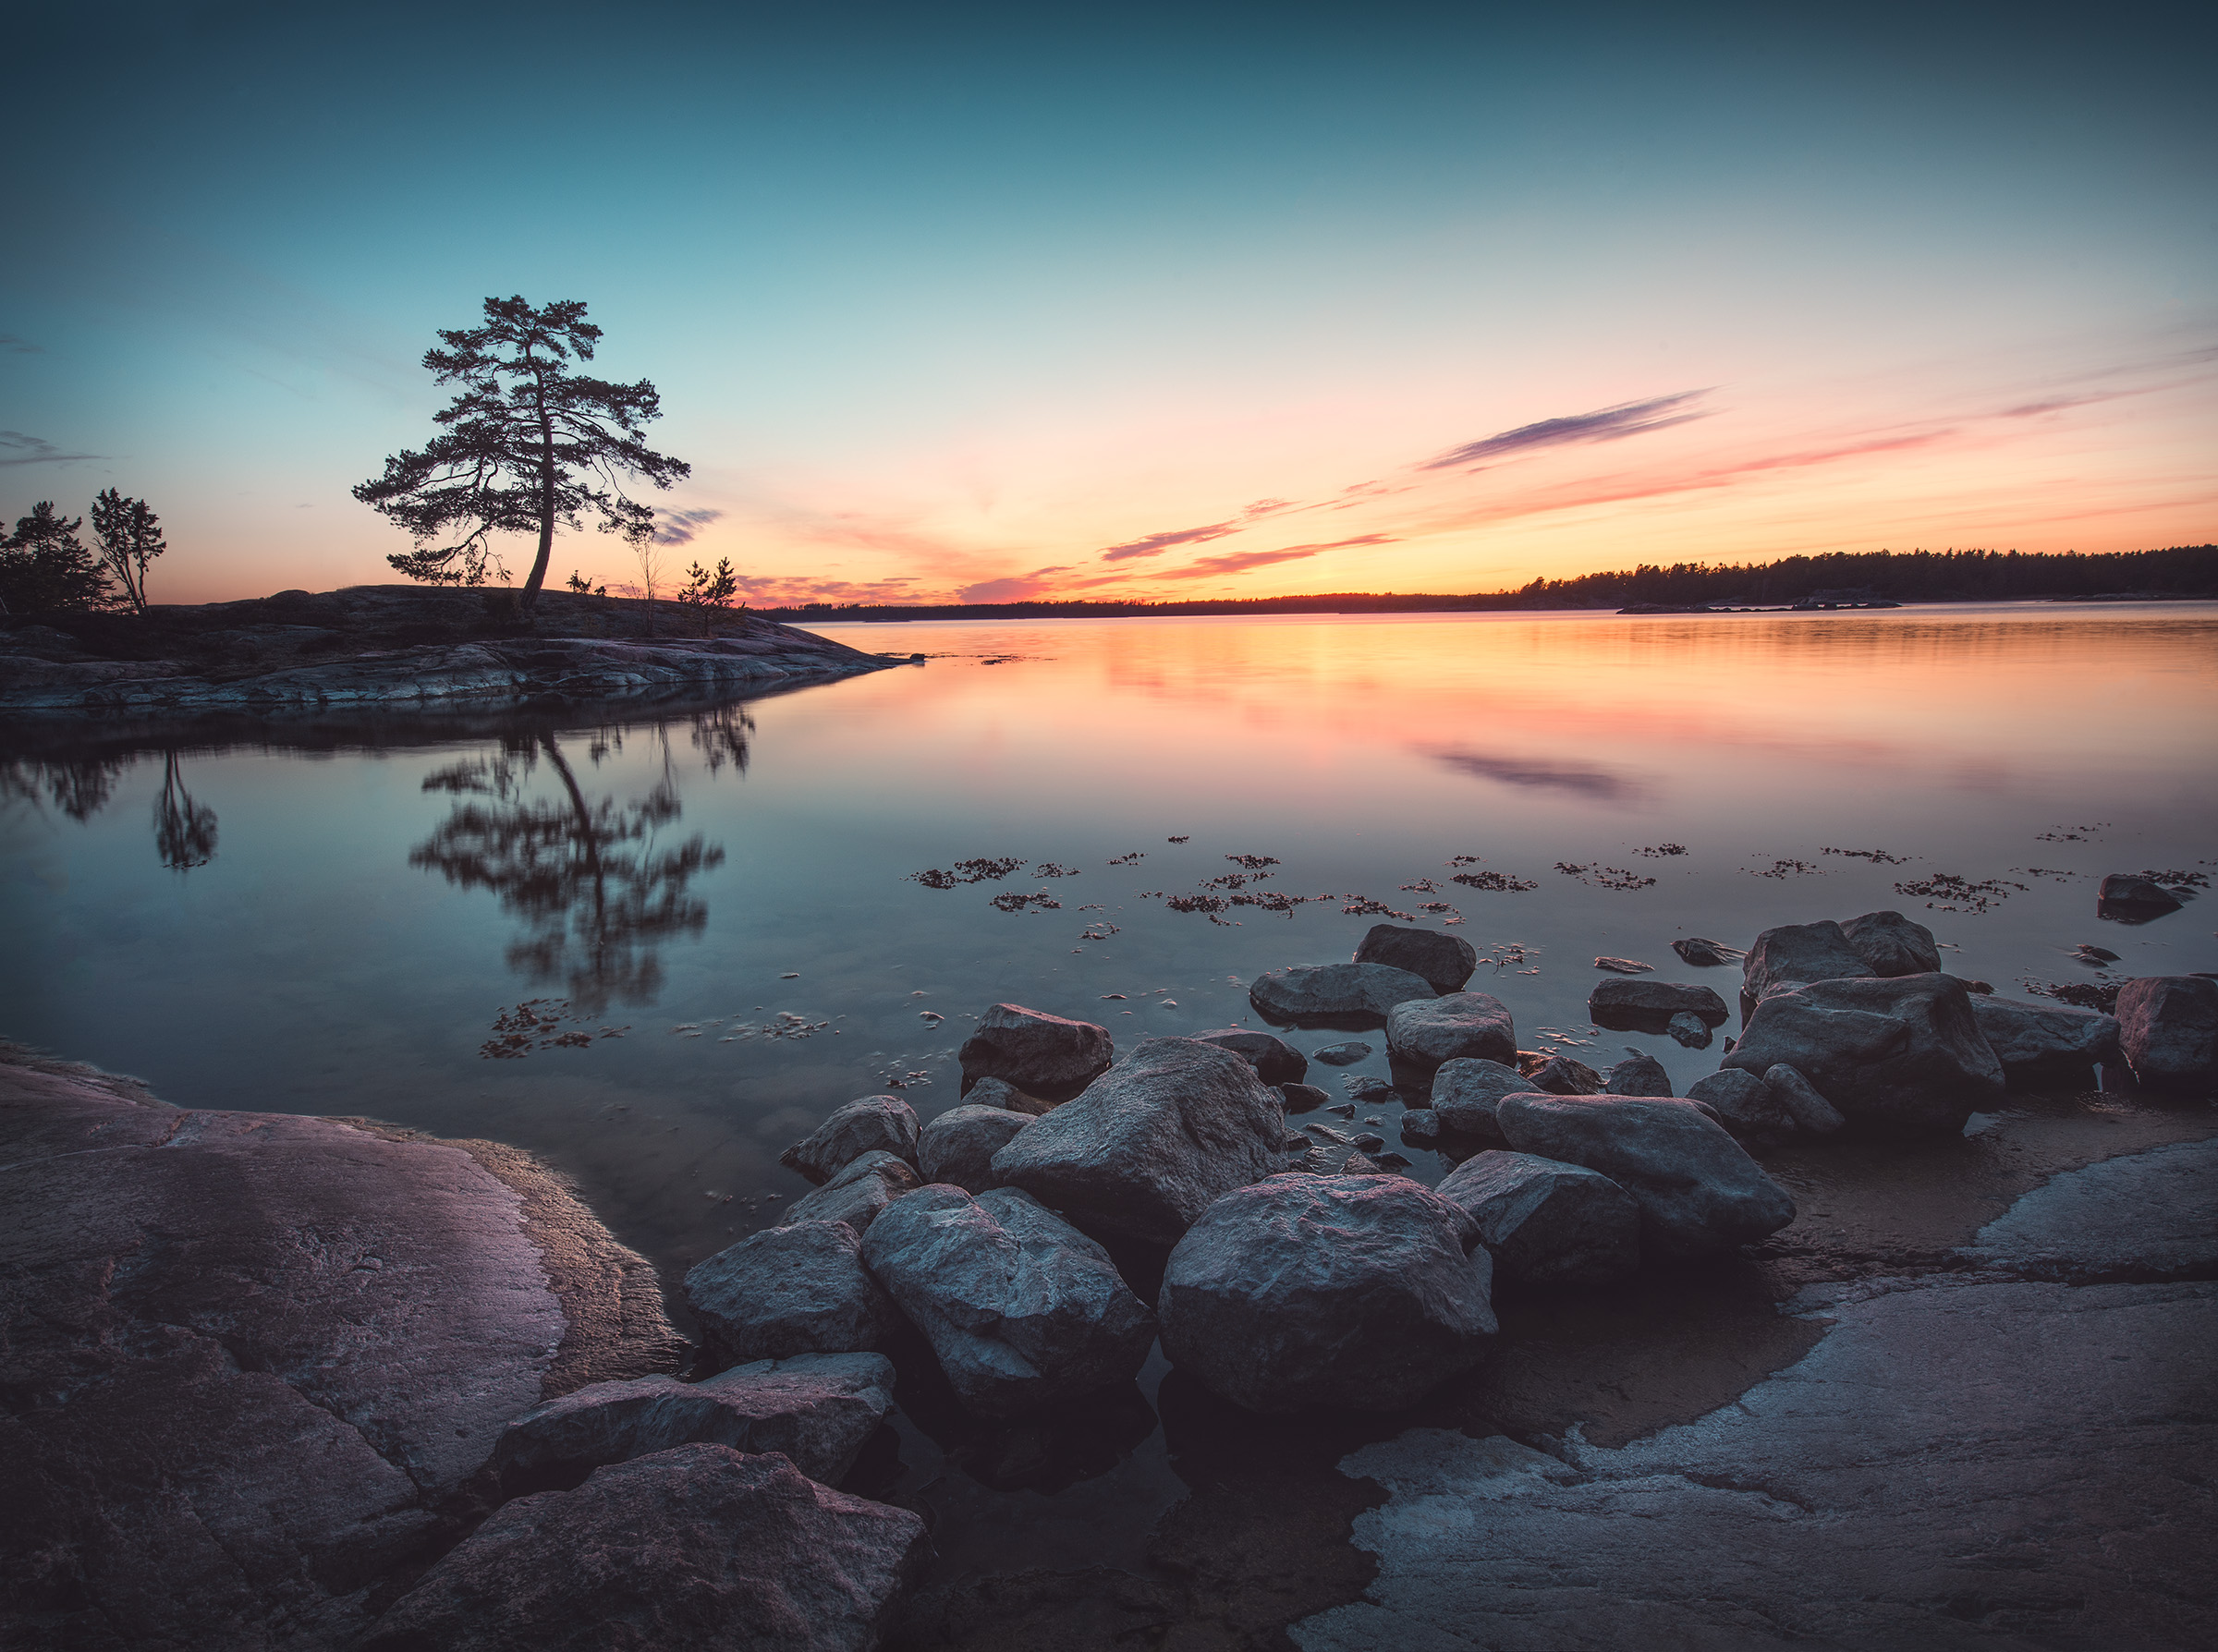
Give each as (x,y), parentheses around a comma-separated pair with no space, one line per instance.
(526,445)
(44,564)
(130,536)
(704,588)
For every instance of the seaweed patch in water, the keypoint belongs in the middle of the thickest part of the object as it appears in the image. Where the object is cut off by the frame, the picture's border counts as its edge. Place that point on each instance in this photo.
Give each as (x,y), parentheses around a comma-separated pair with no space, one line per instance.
(1876,856)
(1781,868)
(1132,859)
(985,868)
(1604,876)
(1048,869)
(1495,881)
(1010,901)
(1254,863)
(2087,995)
(536,1024)
(1663,851)
(1944,891)
(1364,906)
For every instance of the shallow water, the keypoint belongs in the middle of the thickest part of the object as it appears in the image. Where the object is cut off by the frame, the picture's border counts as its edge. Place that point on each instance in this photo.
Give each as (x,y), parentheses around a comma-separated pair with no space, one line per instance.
(334,915)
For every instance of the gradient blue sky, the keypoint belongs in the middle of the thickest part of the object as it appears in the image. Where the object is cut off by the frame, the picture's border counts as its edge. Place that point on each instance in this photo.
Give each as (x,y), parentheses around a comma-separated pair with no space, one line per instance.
(1004,301)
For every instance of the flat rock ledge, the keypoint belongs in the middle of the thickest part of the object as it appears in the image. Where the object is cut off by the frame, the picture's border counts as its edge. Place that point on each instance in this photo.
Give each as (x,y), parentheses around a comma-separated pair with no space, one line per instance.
(256,1364)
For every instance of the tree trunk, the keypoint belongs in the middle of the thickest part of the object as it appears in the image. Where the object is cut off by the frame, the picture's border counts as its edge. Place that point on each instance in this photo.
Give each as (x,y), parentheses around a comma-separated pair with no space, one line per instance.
(546,505)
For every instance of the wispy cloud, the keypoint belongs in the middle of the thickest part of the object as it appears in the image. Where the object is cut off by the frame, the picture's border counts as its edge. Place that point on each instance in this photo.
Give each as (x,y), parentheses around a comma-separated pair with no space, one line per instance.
(1604,424)
(1013,587)
(678,528)
(1234,562)
(16,448)
(1155,544)
(1544,775)
(19,346)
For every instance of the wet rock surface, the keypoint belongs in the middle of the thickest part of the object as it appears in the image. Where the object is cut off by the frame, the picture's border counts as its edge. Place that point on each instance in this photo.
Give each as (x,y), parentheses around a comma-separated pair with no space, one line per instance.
(1152,1142)
(1890,944)
(1461,1026)
(873,1124)
(856,1195)
(699,1547)
(1743,1103)
(1274,1060)
(2131,898)
(1640,1074)
(2032,1039)
(1345,995)
(800,1289)
(2168,1028)
(1466,1092)
(1547,1223)
(1795,954)
(958,1145)
(1568,1075)
(999,1092)
(2151,1215)
(1040,1054)
(1445,961)
(1638,1004)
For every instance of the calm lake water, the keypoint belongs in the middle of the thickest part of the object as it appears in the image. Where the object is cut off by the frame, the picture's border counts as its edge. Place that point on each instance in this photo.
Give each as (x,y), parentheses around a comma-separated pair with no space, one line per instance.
(340,915)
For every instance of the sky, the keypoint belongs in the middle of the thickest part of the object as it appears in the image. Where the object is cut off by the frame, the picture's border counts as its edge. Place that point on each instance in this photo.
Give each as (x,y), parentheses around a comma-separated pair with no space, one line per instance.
(984,303)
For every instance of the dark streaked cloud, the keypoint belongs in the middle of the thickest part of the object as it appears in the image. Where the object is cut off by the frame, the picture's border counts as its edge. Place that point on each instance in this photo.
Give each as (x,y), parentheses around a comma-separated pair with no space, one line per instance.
(17,448)
(1155,544)
(1234,562)
(1544,775)
(678,528)
(19,346)
(1604,424)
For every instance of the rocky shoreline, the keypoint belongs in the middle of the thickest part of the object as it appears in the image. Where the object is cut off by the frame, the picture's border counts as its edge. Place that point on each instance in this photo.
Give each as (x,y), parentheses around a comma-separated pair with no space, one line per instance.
(1984,1388)
(400,647)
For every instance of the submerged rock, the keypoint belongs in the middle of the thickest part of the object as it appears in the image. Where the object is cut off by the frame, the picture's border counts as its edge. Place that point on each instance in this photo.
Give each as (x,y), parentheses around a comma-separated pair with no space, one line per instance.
(1420,1127)
(958,1147)
(1890,944)
(1445,961)
(2033,1041)
(874,1124)
(1466,1092)
(1703,953)
(1461,1026)
(1335,994)
(1699,1193)
(1022,1310)
(2130,898)
(1040,1054)
(856,1194)
(1636,1075)
(1688,1030)
(1152,1142)
(787,1291)
(1364,1292)
(1274,1060)
(1623,965)
(1548,1222)
(1795,954)
(816,1408)
(1901,1053)
(694,1549)
(1343,1054)
(1303,1098)
(1629,1005)
(2168,1028)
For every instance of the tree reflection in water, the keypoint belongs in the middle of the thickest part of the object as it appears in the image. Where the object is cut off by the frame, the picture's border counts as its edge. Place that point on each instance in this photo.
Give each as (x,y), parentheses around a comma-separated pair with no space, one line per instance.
(597,891)
(183,830)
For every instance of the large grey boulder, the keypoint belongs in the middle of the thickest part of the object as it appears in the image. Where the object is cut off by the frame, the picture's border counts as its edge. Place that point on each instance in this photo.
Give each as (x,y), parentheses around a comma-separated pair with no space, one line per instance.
(1342,995)
(2168,1028)
(1699,1193)
(856,1194)
(1568,1075)
(874,1124)
(1274,1060)
(1744,1104)
(698,1548)
(1466,1092)
(2034,1041)
(1458,1028)
(1793,954)
(999,1092)
(1548,1222)
(1445,961)
(1365,1292)
(1040,1054)
(1626,1003)
(1152,1142)
(958,1147)
(1901,1053)
(1022,1310)
(1635,1076)
(253,1359)
(1890,944)
(816,1408)
(787,1291)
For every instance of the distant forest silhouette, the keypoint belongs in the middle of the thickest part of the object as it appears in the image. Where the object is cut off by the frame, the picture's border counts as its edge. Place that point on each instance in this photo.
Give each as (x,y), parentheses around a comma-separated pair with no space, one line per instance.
(1901,577)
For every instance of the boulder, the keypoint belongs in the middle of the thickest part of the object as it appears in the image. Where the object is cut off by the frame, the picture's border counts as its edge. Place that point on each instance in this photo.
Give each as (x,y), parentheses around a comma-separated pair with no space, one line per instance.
(816,1408)
(1274,1060)
(958,1147)
(1638,1004)
(1152,1142)
(999,1092)
(874,1124)
(1343,1054)
(1635,1076)
(1457,1028)
(1351,995)
(1890,944)
(1699,1193)
(1365,1292)
(2168,1028)
(1743,1103)
(856,1194)
(1040,1054)
(1795,954)
(1445,961)
(1799,1099)
(1623,965)
(1548,1222)
(1465,1094)
(787,1291)
(2033,1041)
(1302,1098)
(1688,1030)
(1022,1310)
(684,1551)
(1895,1053)
(1702,953)
(1568,1075)
(1420,1127)
(2127,897)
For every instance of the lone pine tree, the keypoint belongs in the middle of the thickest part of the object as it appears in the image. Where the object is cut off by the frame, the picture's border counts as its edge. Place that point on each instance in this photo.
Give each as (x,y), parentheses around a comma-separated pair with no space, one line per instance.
(527,444)
(130,536)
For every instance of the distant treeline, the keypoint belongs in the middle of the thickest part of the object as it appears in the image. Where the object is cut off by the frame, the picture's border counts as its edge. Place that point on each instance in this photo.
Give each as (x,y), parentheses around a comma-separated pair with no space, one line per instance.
(1901,577)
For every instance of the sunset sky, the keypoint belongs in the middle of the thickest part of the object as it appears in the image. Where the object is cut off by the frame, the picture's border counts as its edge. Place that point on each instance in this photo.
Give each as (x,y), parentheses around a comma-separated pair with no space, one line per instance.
(979,303)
